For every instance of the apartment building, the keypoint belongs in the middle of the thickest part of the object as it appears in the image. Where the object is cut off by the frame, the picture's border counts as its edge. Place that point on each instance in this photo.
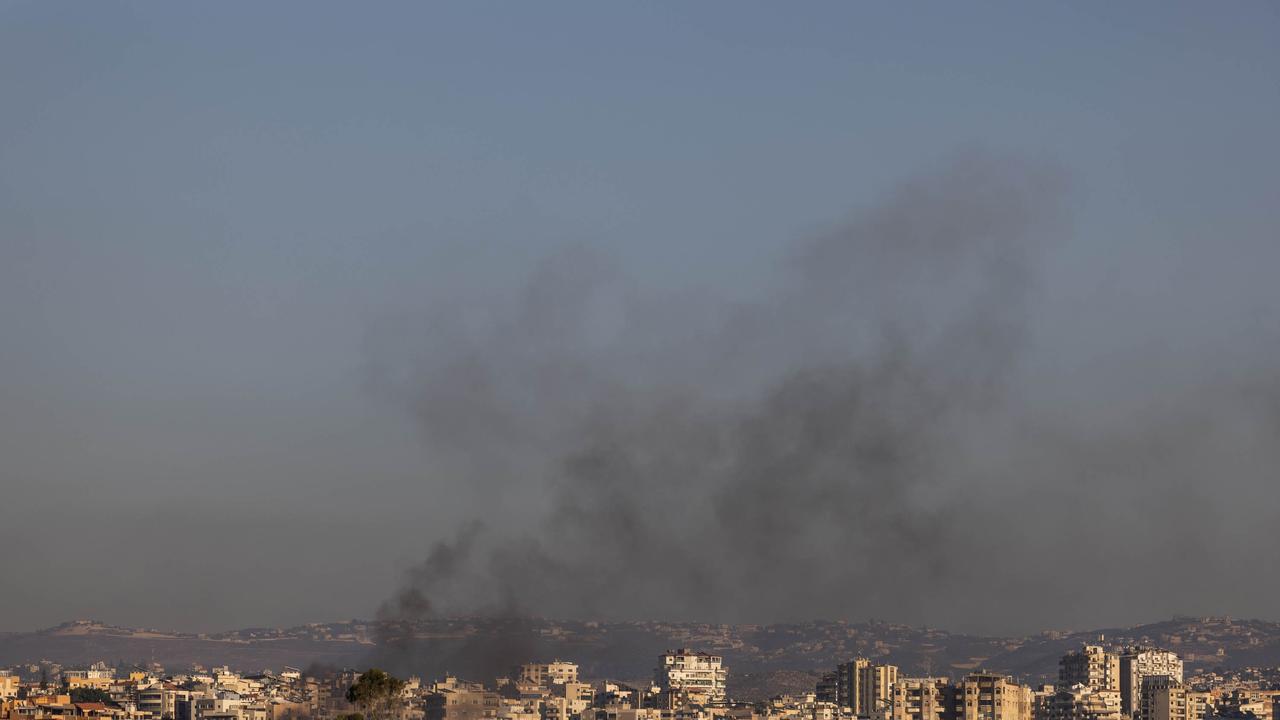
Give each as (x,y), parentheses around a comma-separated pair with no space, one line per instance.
(861,686)
(1079,702)
(926,698)
(160,700)
(828,689)
(626,713)
(1162,698)
(875,689)
(97,676)
(699,678)
(848,683)
(1200,704)
(451,699)
(547,674)
(567,701)
(1091,666)
(1137,663)
(991,696)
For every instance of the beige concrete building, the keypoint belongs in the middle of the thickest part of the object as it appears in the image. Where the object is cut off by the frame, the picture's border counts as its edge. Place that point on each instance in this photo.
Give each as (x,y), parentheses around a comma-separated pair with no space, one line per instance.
(848,681)
(547,674)
(875,689)
(861,686)
(568,700)
(1200,704)
(161,699)
(991,696)
(1090,666)
(515,710)
(1252,700)
(926,698)
(454,700)
(624,713)
(1162,698)
(8,685)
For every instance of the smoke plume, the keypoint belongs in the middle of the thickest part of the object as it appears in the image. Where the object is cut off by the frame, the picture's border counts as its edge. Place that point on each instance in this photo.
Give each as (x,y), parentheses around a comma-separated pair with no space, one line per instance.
(853,441)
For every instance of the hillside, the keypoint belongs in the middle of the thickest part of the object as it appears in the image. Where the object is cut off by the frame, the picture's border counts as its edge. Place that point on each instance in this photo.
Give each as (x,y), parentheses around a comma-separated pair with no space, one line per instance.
(763,658)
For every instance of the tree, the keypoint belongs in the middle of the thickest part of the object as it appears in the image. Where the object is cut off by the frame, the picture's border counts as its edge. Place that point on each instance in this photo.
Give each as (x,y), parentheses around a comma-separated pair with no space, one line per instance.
(89,695)
(375,692)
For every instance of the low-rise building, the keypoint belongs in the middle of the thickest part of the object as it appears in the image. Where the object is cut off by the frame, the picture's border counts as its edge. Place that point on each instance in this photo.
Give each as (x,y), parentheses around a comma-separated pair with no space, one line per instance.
(1078,702)
(9,684)
(451,699)
(552,673)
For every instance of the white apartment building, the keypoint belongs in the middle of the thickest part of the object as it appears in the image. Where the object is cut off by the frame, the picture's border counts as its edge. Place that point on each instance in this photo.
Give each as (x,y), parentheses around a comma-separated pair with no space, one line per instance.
(700,677)
(1137,663)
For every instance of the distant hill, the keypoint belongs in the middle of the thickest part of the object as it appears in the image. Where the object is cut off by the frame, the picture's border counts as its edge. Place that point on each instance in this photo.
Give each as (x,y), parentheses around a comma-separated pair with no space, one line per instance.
(763,659)
(82,642)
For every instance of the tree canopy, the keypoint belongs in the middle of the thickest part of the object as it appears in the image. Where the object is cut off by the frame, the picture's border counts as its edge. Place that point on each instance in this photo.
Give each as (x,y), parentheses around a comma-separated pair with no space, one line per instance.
(375,691)
(88,695)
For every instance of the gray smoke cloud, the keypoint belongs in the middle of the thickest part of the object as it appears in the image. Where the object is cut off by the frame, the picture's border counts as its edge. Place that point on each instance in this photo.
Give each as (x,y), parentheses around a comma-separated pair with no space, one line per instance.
(857,441)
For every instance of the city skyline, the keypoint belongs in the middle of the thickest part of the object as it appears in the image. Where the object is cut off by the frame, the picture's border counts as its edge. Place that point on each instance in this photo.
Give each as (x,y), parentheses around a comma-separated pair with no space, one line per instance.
(685,682)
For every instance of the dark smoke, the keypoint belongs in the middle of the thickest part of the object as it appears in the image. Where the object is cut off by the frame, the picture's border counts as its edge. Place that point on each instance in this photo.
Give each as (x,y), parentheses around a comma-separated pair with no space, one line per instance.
(851,443)
(403,647)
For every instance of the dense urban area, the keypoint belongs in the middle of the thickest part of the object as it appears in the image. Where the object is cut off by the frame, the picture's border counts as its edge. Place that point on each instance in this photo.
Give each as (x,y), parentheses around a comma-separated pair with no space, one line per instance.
(1132,675)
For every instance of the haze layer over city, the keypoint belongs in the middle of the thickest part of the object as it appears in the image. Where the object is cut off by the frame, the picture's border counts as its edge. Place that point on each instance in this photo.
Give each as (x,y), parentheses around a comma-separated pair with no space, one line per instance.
(959,317)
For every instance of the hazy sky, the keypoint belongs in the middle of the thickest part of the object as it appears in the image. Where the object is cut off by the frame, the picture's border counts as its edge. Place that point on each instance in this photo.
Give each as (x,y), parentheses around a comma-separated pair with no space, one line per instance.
(223,227)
